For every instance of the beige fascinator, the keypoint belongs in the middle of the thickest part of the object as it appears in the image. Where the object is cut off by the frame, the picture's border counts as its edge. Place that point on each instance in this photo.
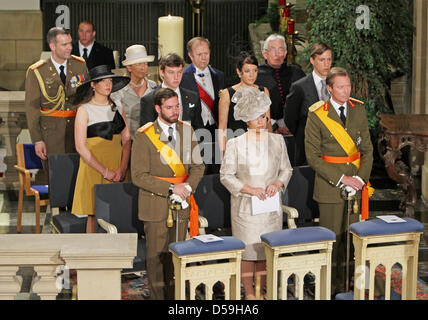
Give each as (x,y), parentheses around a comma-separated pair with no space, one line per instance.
(251,103)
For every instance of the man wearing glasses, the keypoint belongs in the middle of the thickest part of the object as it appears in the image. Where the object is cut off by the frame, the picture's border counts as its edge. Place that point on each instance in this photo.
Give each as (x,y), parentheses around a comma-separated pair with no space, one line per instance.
(277,76)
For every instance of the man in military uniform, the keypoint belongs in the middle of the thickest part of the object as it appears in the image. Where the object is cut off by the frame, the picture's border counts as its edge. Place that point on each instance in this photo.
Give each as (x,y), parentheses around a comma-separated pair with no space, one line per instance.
(338,147)
(165,161)
(48,87)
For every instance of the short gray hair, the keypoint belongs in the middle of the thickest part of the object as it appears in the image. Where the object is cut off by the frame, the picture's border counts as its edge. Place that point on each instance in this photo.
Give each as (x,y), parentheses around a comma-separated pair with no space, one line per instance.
(53,32)
(274,37)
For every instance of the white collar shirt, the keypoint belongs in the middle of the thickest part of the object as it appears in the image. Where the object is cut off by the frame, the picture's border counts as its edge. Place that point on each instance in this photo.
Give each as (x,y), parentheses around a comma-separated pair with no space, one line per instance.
(165,128)
(88,47)
(336,107)
(57,65)
(318,83)
(204,79)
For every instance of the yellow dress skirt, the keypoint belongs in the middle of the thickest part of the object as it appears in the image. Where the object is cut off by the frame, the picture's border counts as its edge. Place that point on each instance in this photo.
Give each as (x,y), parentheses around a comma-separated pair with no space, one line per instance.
(109,155)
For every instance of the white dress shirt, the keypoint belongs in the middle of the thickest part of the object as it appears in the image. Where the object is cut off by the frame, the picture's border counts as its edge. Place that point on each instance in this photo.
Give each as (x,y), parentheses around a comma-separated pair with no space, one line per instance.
(88,47)
(318,83)
(206,83)
(165,127)
(337,106)
(57,65)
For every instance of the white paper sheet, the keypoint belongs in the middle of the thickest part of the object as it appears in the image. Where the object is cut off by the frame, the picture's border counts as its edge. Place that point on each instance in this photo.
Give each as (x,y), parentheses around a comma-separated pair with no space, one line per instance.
(208,238)
(391,219)
(264,206)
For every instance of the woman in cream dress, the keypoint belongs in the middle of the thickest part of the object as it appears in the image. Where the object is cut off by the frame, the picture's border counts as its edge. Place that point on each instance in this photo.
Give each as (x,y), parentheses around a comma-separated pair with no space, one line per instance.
(255,164)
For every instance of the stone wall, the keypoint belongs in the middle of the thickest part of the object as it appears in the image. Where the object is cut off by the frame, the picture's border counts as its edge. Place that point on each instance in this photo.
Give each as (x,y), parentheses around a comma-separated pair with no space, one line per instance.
(20,45)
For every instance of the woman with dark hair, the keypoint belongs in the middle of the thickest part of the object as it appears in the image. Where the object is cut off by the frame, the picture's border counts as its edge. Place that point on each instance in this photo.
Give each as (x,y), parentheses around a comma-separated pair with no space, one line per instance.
(102,139)
(246,68)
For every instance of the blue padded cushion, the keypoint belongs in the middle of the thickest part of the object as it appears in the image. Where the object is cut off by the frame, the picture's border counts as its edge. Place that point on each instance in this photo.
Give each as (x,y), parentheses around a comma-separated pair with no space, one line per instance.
(350,296)
(41,188)
(195,246)
(69,223)
(299,235)
(32,161)
(378,226)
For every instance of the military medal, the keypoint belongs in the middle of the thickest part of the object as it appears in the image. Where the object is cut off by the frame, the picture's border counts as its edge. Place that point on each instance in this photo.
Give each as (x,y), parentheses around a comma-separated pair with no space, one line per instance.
(77,80)
(359,141)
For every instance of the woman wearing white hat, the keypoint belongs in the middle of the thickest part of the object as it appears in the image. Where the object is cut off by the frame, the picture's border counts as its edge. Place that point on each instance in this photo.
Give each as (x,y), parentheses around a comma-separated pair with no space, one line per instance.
(255,164)
(136,64)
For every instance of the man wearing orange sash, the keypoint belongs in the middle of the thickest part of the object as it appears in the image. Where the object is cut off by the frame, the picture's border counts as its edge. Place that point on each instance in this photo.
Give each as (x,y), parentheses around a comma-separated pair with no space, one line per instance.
(338,147)
(165,161)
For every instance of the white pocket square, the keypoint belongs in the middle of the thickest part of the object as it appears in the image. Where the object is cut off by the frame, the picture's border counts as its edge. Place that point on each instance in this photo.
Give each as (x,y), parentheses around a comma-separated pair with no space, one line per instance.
(191,105)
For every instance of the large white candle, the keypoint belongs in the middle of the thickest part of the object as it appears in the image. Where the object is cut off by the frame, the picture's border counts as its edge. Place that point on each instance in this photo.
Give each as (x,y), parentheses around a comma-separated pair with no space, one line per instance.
(170,32)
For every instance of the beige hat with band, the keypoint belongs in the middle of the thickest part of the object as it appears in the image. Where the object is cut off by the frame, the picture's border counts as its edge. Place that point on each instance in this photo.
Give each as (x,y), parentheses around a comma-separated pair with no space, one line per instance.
(136,53)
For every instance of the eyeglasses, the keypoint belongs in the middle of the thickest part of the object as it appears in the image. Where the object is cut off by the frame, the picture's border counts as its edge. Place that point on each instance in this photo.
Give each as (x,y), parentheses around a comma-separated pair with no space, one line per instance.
(277,50)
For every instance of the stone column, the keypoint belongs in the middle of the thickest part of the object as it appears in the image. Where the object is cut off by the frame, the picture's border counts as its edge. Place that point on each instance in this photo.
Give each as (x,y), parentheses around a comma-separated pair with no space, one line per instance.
(10,283)
(420,75)
(11,114)
(45,283)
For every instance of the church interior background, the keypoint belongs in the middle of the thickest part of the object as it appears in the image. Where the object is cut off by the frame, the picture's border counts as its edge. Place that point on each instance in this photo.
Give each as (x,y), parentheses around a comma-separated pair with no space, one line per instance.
(231,27)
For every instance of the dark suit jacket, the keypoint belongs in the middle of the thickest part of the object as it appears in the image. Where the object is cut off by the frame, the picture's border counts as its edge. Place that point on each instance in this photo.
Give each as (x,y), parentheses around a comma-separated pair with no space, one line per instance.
(190,103)
(303,94)
(99,55)
(188,82)
(288,74)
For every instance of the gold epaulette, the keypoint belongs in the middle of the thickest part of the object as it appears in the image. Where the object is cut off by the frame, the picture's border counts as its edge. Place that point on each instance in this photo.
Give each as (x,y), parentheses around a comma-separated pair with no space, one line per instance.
(316,105)
(184,122)
(356,100)
(37,64)
(78,58)
(145,127)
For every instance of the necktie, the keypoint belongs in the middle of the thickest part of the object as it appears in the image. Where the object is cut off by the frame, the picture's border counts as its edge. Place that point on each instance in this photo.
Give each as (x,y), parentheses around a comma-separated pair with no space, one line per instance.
(171,136)
(85,53)
(342,114)
(324,92)
(62,74)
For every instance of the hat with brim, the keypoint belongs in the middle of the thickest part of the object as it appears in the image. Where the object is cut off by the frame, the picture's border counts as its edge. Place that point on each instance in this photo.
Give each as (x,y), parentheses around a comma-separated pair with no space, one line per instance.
(99,73)
(136,53)
(251,103)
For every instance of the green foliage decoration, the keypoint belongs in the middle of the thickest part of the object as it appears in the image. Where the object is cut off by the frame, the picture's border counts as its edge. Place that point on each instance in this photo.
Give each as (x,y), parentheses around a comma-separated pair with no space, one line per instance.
(372,56)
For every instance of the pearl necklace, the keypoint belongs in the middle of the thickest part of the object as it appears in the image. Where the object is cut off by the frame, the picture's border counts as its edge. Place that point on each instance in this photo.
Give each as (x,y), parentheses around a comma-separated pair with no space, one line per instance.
(100,104)
(137,85)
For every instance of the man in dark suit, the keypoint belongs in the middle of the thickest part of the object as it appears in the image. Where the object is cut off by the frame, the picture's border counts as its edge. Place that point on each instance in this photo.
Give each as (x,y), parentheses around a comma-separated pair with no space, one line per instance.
(277,76)
(203,79)
(304,93)
(171,69)
(94,53)
(206,82)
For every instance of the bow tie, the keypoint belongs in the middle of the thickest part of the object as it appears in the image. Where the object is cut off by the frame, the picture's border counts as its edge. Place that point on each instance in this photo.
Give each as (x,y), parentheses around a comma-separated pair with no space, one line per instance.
(201,75)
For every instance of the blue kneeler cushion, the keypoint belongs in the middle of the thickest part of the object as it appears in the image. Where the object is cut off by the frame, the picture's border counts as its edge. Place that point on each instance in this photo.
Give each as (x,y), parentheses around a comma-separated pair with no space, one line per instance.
(194,246)
(41,188)
(296,236)
(378,227)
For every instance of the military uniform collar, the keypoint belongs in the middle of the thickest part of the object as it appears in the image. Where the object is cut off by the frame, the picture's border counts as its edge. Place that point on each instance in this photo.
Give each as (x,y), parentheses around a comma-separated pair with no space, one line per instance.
(57,65)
